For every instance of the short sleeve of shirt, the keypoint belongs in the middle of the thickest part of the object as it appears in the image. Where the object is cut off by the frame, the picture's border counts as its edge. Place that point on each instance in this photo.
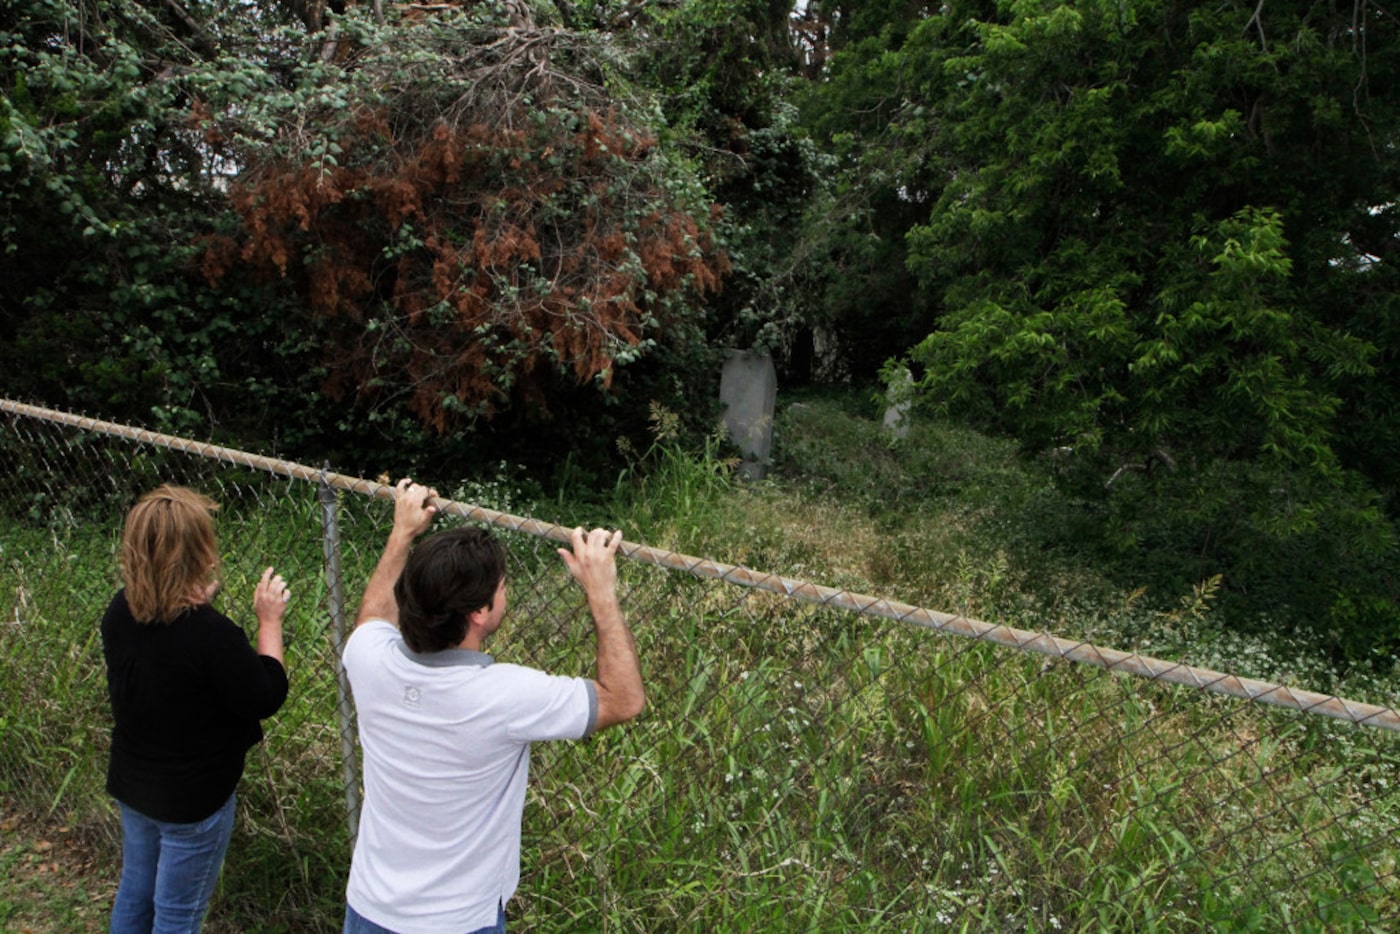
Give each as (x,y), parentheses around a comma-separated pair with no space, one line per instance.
(548,707)
(370,637)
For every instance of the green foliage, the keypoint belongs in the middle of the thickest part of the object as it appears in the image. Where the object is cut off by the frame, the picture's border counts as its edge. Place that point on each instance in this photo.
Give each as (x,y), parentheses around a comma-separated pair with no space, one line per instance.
(672,496)
(851,261)
(1159,241)
(723,73)
(1153,241)
(1291,558)
(104,192)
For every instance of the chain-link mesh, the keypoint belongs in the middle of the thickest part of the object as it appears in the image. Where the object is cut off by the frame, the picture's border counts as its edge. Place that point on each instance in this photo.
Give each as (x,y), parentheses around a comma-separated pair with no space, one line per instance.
(810,759)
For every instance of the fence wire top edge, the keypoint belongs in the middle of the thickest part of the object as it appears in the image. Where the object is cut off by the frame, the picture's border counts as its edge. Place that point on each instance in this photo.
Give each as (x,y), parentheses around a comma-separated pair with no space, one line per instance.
(1044,643)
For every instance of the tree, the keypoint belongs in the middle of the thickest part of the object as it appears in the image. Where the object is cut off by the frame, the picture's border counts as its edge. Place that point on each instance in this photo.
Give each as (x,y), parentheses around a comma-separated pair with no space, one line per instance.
(851,259)
(496,242)
(723,72)
(472,207)
(1159,235)
(104,188)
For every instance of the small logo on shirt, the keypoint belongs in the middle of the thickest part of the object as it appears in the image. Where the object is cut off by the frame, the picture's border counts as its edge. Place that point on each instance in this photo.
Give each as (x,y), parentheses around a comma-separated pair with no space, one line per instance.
(412,697)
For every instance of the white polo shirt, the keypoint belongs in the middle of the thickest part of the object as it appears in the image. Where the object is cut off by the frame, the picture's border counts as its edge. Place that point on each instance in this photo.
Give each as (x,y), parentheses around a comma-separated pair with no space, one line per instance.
(446,743)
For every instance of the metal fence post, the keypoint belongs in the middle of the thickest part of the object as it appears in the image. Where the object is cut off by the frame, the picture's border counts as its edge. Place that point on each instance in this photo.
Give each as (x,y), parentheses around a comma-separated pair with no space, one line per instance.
(335,597)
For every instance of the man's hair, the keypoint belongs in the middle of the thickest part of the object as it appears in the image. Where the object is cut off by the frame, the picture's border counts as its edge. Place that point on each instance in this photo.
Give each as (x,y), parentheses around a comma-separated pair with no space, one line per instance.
(168,552)
(449,576)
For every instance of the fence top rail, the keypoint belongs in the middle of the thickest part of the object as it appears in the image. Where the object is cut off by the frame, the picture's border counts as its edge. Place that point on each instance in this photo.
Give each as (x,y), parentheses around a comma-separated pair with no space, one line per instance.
(1113,660)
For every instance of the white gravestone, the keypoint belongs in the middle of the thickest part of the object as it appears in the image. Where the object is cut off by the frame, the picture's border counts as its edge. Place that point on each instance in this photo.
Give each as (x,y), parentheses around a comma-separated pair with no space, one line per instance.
(748,390)
(897,396)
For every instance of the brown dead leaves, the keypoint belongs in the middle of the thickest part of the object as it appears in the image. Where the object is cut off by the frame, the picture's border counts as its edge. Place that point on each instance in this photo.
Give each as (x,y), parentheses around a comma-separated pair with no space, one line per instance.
(488,255)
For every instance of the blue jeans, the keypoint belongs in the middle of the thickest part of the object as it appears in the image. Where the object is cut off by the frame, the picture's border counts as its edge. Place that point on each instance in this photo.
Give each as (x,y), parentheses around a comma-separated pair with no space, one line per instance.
(355,923)
(169,871)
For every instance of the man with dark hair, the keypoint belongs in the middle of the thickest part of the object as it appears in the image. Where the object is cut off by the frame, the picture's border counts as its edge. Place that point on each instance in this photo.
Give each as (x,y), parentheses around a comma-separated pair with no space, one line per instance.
(447,577)
(446,731)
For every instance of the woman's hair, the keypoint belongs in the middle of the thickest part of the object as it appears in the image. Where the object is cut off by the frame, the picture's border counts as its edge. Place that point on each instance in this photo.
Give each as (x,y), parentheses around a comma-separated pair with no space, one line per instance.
(448,577)
(168,552)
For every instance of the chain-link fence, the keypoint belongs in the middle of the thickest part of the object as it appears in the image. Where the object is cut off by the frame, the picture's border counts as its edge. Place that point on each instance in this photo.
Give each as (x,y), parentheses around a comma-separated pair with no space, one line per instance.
(810,759)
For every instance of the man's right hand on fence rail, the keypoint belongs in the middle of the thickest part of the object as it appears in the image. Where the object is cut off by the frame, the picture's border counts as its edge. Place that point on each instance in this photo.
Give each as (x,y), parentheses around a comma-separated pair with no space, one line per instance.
(414,508)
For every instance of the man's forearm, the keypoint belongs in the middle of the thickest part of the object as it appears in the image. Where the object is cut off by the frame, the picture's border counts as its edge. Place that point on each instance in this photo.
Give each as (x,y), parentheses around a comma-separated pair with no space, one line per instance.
(591,559)
(379,602)
(413,513)
(619,668)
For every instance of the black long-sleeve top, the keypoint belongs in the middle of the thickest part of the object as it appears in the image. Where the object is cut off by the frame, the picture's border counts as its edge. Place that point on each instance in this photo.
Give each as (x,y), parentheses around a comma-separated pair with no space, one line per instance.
(187,697)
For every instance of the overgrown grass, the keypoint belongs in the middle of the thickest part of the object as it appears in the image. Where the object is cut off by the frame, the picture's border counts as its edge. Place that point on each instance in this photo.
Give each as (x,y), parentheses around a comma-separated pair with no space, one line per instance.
(799,768)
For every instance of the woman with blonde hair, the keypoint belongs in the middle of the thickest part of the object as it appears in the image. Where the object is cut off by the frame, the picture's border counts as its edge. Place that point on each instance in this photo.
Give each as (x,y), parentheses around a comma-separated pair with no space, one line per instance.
(188,692)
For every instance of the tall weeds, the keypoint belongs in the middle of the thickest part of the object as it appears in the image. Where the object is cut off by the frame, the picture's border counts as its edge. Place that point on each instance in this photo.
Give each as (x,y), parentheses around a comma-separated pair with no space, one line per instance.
(799,768)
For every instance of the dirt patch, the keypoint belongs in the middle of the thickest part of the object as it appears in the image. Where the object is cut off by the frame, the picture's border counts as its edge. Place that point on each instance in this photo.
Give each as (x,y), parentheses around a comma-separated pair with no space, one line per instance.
(53,878)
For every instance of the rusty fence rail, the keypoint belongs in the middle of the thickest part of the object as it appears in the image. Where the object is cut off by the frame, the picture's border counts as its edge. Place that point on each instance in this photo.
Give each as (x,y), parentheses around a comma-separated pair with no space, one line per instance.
(812,759)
